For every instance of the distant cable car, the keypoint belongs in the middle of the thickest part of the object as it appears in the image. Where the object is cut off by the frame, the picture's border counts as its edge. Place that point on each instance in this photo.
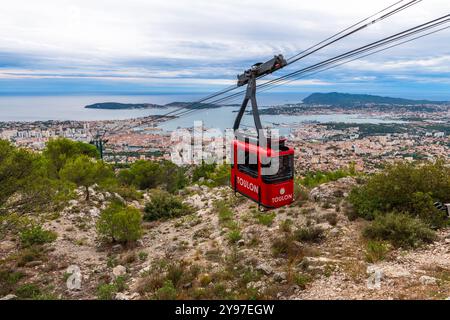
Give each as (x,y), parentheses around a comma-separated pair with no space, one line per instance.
(255,158)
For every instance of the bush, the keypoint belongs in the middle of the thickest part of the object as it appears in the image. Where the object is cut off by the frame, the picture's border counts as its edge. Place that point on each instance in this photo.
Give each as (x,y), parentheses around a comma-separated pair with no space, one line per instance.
(266,219)
(144,174)
(164,205)
(36,235)
(309,234)
(376,251)
(8,280)
(213,175)
(234,235)
(28,291)
(301,194)
(302,280)
(399,229)
(106,291)
(405,187)
(202,171)
(166,292)
(313,179)
(224,211)
(285,247)
(120,223)
(286,225)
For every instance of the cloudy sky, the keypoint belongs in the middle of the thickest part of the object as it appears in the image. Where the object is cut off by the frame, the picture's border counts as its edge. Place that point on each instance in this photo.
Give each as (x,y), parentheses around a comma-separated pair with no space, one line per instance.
(171,46)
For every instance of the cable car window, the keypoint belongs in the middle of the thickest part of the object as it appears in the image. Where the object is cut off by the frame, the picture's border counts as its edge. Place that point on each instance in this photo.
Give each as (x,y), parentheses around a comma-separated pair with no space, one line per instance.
(285,170)
(247,163)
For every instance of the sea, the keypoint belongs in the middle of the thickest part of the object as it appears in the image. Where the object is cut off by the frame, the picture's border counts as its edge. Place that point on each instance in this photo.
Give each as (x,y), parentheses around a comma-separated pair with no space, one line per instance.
(60,107)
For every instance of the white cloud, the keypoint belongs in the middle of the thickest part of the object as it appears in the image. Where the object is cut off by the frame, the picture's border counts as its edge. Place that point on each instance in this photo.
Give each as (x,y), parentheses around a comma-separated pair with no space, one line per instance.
(87,37)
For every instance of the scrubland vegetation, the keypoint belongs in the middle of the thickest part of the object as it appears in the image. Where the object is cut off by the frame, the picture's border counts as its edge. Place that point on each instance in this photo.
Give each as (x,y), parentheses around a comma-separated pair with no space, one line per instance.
(235,251)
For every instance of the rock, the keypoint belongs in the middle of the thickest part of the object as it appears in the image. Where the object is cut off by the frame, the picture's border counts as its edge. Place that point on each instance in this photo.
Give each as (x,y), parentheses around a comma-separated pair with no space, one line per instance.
(6,246)
(318,260)
(32,264)
(332,191)
(265,268)
(334,232)
(100,197)
(119,197)
(396,271)
(256,285)
(140,243)
(117,248)
(124,296)
(94,212)
(447,240)
(119,271)
(187,285)
(426,280)
(9,297)
(280,276)
(73,203)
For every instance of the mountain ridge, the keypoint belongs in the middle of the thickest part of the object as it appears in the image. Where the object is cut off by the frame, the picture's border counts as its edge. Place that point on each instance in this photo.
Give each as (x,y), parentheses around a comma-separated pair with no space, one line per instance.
(337,98)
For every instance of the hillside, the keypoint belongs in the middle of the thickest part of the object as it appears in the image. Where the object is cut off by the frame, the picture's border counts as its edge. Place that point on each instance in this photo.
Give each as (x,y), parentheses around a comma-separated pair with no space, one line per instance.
(338,99)
(74,227)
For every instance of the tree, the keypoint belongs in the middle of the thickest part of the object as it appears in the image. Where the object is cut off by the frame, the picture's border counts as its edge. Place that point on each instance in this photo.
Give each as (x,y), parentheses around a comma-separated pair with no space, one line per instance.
(142,174)
(84,172)
(174,176)
(16,168)
(120,223)
(151,174)
(59,151)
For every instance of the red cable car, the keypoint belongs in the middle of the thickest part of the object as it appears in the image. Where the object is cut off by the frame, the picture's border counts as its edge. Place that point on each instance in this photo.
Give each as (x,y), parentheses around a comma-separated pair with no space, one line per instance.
(262,168)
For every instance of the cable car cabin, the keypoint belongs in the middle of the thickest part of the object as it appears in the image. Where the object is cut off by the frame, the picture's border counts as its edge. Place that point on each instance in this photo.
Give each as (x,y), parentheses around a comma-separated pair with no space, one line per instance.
(263,174)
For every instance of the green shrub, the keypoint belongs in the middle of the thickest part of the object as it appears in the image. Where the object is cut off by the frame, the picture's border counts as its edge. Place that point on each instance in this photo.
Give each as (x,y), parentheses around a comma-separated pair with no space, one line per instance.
(224,211)
(405,187)
(120,283)
(266,219)
(36,235)
(166,292)
(106,291)
(142,255)
(120,223)
(376,251)
(285,247)
(202,171)
(28,291)
(302,280)
(286,225)
(309,234)
(301,193)
(234,235)
(313,179)
(8,280)
(164,205)
(33,253)
(399,229)
(331,218)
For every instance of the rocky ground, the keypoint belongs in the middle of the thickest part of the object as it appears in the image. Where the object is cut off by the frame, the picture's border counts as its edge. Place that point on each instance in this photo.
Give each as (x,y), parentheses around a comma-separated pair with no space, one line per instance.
(260,258)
